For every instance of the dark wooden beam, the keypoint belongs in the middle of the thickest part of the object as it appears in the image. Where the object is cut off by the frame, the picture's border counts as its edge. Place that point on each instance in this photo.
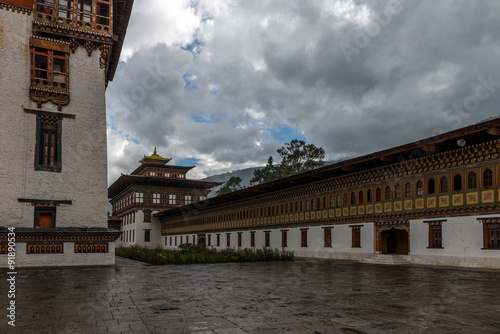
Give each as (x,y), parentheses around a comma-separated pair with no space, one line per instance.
(350,168)
(432,148)
(493,131)
(388,158)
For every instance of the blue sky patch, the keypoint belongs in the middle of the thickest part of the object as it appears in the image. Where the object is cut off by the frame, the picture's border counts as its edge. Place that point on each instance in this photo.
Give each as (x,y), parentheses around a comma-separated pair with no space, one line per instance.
(285,133)
(190,80)
(187,162)
(206,118)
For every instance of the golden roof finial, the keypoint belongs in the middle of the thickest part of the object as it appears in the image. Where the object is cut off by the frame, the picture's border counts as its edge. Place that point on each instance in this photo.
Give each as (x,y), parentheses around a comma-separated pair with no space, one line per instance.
(155,157)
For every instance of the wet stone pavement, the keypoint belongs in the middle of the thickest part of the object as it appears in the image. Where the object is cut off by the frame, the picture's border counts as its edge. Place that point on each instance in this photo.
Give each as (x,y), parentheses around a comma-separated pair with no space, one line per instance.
(303,296)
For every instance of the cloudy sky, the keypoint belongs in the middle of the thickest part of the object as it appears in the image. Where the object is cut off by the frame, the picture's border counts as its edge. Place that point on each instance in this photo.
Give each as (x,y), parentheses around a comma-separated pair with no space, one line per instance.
(221,84)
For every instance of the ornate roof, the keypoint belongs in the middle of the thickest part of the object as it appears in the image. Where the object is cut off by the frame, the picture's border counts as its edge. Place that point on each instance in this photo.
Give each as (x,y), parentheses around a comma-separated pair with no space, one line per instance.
(155,158)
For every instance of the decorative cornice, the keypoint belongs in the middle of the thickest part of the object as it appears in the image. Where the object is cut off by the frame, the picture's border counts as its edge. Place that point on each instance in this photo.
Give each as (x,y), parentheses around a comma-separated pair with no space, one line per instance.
(15,8)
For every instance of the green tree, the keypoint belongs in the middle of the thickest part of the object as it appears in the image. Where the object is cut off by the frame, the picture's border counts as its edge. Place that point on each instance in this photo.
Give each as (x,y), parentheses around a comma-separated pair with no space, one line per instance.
(233,184)
(268,173)
(296,157)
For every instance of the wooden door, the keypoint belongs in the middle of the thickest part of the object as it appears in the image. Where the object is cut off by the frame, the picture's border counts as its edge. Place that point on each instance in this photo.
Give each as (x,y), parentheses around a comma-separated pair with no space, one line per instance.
(45,220)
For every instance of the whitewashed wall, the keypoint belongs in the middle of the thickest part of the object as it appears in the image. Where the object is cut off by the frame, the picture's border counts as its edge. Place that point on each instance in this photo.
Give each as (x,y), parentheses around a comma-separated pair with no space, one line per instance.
(341,241)
(83,179)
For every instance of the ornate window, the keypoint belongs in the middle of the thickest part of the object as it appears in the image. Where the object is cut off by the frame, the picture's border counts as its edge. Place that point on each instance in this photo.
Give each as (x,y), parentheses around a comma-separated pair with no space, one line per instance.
(435,234)
(491,235)
(408,189)
(49,72)
(138,197)
(284,241)
(356,236)
(487,178)
(331,201)
(338,201)
(471,180)
(228,239)
(313,204)
(397,191)
(345,199)
(387,193)
(361,197)
(93,15)
(156,198)
(420,188)
(239,239)
(172,199)
(378,194)
(48,144)
(267,239)
(431,186)
(303,238)
(443,184)
(457,182)
(368,196)
(328,236)
(353,198)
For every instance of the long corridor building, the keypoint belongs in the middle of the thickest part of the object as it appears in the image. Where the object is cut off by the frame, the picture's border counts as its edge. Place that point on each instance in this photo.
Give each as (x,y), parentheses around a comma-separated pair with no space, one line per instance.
(433,201)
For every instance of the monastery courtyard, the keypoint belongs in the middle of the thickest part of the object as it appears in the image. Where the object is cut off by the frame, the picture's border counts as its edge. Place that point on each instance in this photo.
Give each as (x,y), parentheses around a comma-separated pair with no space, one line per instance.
(303,296)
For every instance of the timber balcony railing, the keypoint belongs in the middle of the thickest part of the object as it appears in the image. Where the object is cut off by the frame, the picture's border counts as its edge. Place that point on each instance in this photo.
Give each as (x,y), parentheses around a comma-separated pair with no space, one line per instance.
(88,15)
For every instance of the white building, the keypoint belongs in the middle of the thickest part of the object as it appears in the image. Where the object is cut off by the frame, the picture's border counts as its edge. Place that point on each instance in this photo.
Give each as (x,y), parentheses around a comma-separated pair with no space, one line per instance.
(56,59)
(434,201)
(153,187)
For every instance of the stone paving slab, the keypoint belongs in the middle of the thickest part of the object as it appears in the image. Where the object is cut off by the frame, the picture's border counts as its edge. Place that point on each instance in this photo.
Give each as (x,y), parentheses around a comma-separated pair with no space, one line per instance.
(303,296)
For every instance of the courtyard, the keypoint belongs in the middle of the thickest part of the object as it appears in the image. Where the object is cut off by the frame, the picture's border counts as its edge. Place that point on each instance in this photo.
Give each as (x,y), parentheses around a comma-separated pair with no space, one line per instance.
(302,296)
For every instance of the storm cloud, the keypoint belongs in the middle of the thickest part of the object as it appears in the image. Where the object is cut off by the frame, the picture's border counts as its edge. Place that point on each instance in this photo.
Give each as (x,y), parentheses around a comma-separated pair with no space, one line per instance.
(226,83)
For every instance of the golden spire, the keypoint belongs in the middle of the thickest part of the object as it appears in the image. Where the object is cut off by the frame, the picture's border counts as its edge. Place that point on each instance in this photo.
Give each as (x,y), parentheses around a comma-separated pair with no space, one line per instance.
(155,158)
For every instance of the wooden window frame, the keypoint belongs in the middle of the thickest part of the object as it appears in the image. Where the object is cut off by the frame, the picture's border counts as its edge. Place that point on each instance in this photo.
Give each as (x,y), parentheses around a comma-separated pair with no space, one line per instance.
(303,237)
(378,194)
(44,210)
(284,238)
(387,193)
(491,235)
(239,239)
(252,239)
(435,235)
(147,235)
(361,197)
(430,185)
(484,178)
(472,178)
(397,191)
(419,187)
(445,178)
(356,236)
(327,232)
(45,126)
(454,183)
(369,196)
(267,239)
(408,190)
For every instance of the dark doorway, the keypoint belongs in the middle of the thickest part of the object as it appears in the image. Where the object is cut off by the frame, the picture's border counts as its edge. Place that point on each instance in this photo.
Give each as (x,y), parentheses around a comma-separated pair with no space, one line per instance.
(395,241)
(201,240)
(391,241)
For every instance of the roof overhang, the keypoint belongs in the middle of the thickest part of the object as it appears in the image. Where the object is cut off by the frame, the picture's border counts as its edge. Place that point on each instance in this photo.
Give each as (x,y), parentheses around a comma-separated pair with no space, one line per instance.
(473,134)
